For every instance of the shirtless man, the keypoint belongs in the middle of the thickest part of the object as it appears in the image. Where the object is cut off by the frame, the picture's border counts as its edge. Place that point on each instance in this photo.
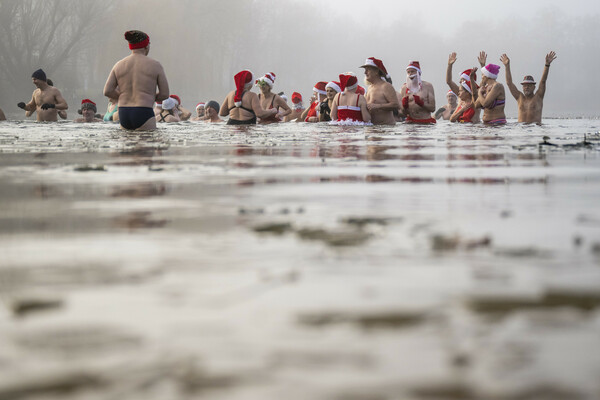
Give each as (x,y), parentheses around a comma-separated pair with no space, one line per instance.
(200,112)
(418,98)
(88,112)
(490,96)
(133,80)
(212,112)
(46,100)
(381,96)
(297,108)
(530,103)
(446,111)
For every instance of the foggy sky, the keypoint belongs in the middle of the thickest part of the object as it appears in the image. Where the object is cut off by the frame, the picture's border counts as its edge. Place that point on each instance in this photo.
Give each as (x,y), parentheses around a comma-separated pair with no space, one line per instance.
(203,43)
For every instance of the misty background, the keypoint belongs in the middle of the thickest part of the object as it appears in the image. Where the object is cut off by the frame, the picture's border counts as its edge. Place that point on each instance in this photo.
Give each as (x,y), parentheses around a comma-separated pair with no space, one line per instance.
(203,43)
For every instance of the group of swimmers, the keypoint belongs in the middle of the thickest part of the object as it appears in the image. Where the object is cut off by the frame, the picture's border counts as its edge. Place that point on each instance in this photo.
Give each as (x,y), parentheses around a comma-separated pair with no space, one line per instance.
(138,94)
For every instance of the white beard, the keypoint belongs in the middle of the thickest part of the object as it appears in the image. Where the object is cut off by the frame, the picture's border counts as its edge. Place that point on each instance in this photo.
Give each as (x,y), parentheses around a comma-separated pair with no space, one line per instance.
(414,85)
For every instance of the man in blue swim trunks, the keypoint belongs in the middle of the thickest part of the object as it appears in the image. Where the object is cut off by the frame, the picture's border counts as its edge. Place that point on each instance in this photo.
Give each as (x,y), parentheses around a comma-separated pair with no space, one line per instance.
(133,80)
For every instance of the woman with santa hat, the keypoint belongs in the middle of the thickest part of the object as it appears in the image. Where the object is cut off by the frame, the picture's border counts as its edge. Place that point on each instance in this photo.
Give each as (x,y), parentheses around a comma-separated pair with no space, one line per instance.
(311,114)
(490,96)
(241,105)
(349,105)
(269,100)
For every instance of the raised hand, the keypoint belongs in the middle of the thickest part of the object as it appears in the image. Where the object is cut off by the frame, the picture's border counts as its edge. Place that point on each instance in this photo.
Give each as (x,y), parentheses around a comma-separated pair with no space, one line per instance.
(482,58)
(21,105)
(473,71)
(505,60)
(550,57)
(46,106)
(451,58)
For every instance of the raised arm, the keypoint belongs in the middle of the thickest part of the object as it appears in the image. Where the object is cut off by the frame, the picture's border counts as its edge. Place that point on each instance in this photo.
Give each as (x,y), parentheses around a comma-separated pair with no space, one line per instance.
(542,86)
(509,82)
(451,60)
(474,91)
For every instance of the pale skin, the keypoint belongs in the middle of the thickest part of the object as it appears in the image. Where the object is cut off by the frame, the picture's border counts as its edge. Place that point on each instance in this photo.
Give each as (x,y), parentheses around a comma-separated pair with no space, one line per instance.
(488,93)
(464,98)
(134,81)
(168,116)
(426,94)
(294,115)
(446,111)
(530,102)
(250,101)
(212,115)
(112,103)
(279,104)
(87,115)
(348,98)
(305,112)
(46,94)
(381,98)
(200,114)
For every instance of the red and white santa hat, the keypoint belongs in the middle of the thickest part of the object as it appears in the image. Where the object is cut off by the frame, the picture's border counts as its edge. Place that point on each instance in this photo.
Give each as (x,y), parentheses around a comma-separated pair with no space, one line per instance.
(452,93)
(491,71)
(177,98)
(241,79)
(467,86)
(348,81)
(374,62)
(268,78)
(414,65)
(296,98)
(334,85)
(361,90)
(201,104)
(320,87)
(466,75)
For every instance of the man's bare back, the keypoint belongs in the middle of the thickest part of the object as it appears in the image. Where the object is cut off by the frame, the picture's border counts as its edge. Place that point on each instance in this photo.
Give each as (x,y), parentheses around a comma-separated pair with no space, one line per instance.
(133,80)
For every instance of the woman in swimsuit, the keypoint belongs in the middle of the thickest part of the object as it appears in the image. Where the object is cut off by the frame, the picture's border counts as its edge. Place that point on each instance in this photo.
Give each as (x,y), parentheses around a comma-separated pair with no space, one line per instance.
(465,111)
(325,107)
(269,100)
(241,105)
(490,96)
(168,112)
(112,112)
(349,105)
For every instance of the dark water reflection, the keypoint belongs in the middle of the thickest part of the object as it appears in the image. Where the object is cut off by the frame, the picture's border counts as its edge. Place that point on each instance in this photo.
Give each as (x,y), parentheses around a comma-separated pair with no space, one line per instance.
(346,262)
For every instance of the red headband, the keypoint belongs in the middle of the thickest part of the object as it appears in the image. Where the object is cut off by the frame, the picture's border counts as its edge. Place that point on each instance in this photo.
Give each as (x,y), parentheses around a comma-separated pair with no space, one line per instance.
(140,45)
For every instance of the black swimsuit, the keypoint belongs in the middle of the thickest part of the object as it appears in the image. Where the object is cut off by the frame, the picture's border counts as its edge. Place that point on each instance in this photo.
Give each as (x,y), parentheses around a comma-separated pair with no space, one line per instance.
(251,121)
(134,117)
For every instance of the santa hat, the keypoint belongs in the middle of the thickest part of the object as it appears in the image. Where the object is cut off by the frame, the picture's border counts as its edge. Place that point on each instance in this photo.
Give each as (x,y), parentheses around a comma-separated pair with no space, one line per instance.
(374,62)
(491,71)
(169,104)
(466,75)
(348,81)
(87,103)
(361,90)
(174,96)
(452,93)
(528,79)
(241,79)
(320,87)
(296,98)
(137,39)
(467,86)
(200,105)
(414,65)
(268,78)
(334,85)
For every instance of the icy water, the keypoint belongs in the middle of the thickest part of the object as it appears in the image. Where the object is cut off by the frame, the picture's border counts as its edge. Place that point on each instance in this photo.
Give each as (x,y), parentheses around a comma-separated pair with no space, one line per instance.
(299,261)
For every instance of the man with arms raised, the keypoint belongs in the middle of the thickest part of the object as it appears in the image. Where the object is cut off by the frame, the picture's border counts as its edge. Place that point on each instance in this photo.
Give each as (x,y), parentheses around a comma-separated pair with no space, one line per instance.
(46,100)
(133,80)
(381,96)
(418,98)
(530,102)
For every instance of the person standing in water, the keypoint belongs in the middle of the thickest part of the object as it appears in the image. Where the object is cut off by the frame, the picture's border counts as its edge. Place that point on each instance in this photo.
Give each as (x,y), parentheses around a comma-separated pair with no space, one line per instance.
(46,100)
(529,101)
(133,80)
(269,100)
(465,111)
(332,89)
(418,98)
(490,96)
(381,96)
(242,105)
(446,111)
(297,108)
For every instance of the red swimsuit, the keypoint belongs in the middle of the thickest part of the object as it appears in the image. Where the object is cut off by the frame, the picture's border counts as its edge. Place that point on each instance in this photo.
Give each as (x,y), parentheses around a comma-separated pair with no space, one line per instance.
(349,113)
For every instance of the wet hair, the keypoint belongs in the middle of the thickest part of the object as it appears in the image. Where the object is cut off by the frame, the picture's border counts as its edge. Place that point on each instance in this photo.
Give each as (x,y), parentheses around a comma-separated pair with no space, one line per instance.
(212,104)
(135,36)
(49,82)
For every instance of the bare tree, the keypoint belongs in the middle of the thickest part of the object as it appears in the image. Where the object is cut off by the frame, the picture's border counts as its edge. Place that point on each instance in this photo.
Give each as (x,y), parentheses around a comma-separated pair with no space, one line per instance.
(45,34)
